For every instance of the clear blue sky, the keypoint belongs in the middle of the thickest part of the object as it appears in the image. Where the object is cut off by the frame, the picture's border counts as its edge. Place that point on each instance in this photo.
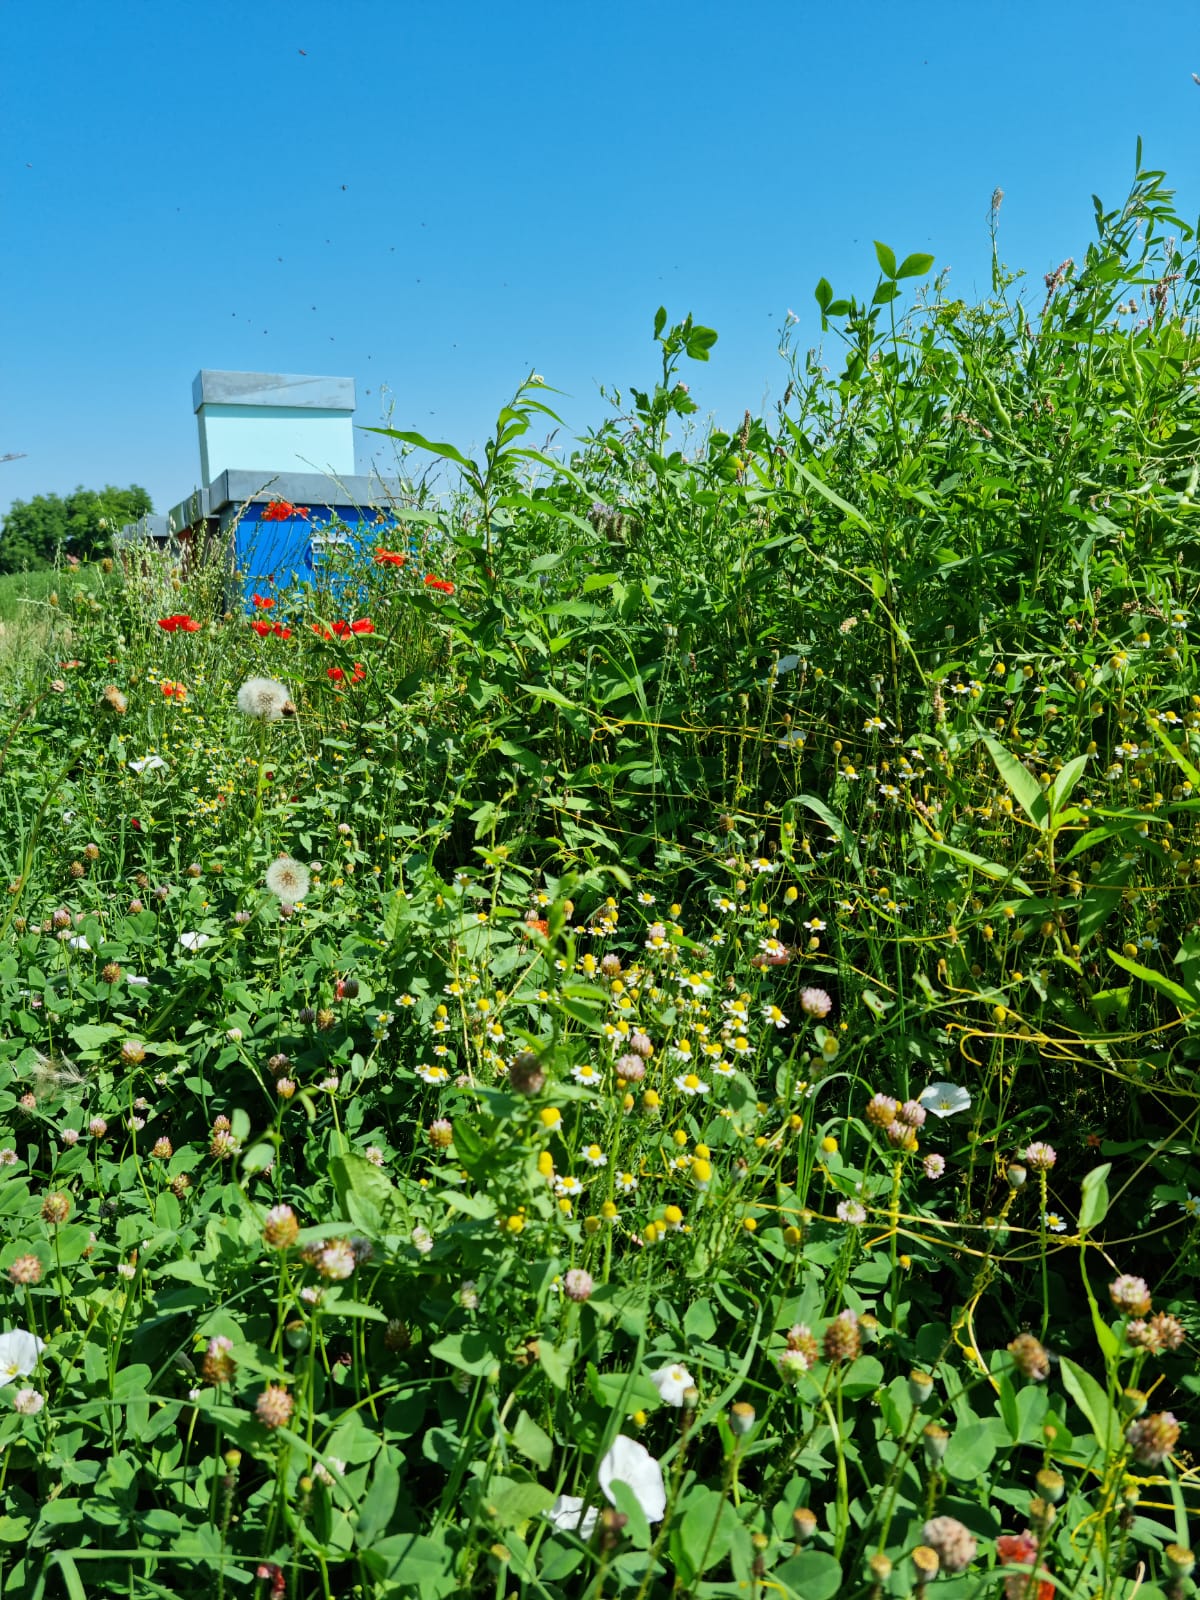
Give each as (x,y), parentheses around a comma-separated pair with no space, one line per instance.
(435,199)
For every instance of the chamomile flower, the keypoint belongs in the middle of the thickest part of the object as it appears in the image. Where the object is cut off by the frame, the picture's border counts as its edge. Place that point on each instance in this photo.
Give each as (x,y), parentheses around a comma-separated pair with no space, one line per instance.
(1054,1222)
(432,1075)
(586,1074)
(688,1083)
(594,1156)
(626,1183)
(774,1016)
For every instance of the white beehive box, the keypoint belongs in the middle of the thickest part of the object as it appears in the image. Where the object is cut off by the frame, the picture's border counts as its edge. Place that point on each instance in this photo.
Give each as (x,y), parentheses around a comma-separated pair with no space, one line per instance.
(273,422)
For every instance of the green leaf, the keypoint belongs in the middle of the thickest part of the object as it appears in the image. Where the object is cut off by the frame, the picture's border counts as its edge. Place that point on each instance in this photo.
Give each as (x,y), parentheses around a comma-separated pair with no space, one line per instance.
(1059,791)
(702,1536)
(886,258)
(469,1352)
(1093,1204)
(510,1503)
(1020,783)
(1156,980)
(970,1451)
(812,1575)
(699,342)
(637,1529)
(660,320)
(91,1035)
(379,1505)
(845,838)
(1092,1401)
(827,493)
(556,1361)
(532,1441)
(354,1176)
(986,869)
(915,265)
(824,294)
(1176,753)
(447,451)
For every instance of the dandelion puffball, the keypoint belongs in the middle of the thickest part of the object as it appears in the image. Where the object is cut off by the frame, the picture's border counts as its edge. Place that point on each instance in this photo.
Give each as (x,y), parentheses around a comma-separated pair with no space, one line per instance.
(287,879)
(265,699)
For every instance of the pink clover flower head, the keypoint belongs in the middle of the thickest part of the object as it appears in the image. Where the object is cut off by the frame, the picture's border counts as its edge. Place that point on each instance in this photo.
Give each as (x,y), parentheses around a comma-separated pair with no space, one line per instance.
(815,1003)
(1153,1438)
(1130,1295)
(1040,1156)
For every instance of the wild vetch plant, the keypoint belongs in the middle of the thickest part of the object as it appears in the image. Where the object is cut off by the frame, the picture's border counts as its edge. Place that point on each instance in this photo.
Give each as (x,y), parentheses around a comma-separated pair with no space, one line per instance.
(639,1038)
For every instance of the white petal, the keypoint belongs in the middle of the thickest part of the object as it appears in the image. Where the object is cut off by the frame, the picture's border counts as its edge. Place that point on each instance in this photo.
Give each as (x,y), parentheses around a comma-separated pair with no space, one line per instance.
(18,1354)
(569,1513)
(631,1463)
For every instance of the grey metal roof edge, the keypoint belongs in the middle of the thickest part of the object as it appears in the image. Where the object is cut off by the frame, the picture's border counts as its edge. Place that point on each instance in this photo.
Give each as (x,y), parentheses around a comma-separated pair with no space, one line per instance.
(148,526)
(302,391)
(189,511)
(238,487)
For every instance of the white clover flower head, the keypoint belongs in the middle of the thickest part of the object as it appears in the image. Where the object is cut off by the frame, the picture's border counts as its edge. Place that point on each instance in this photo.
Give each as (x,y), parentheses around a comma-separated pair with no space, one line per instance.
(852,1212)
(944,1099)
(672,1383)
(265,699)
(18,1354)
(288,879)
(28,1402)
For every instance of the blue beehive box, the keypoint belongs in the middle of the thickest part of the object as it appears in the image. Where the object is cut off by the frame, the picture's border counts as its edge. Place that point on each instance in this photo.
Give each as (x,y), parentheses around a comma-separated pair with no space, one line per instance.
(279,497)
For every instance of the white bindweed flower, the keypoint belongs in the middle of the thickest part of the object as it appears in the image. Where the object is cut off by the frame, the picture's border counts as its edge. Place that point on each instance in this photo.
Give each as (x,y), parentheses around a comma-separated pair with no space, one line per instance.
(571,1515)
(627,1462)
(194,941)
(287,879)
(147,764)
(631,1463)
(672,1383)
(136,980)
(265,699)
(944,1099)
(18,1354)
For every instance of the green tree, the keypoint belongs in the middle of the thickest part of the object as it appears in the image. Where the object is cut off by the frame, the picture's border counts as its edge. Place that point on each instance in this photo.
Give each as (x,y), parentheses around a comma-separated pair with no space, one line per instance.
(82,524)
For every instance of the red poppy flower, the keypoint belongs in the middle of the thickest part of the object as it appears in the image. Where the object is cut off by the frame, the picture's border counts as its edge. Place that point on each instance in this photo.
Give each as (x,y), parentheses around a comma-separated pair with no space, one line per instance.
(440,584)
(173,691)
(321,633)
(179,620)
(363,625)
(341,629)
(264,602)
(262,629)
(391,558)
(135,824)
(282,633)
(67,665)
(360,672)
(335,674)
(282,510)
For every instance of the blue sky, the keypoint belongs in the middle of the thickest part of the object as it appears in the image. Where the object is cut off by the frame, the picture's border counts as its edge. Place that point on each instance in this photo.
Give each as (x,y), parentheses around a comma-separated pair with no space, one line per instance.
(435,200)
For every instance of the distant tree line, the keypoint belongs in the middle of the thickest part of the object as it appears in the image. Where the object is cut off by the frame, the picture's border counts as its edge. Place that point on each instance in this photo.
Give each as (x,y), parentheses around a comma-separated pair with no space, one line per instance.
(38,532)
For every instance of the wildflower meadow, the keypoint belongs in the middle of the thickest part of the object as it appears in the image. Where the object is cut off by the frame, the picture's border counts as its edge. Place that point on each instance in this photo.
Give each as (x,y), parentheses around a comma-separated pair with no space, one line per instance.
(636,1037)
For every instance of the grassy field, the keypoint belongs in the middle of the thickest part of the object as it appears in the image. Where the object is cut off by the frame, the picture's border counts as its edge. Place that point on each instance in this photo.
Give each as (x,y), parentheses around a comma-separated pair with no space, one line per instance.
(653,1053)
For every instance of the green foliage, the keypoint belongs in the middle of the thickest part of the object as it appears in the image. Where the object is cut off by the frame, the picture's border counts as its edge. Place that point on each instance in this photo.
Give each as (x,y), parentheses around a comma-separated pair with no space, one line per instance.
(728,1011)
(38,532)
